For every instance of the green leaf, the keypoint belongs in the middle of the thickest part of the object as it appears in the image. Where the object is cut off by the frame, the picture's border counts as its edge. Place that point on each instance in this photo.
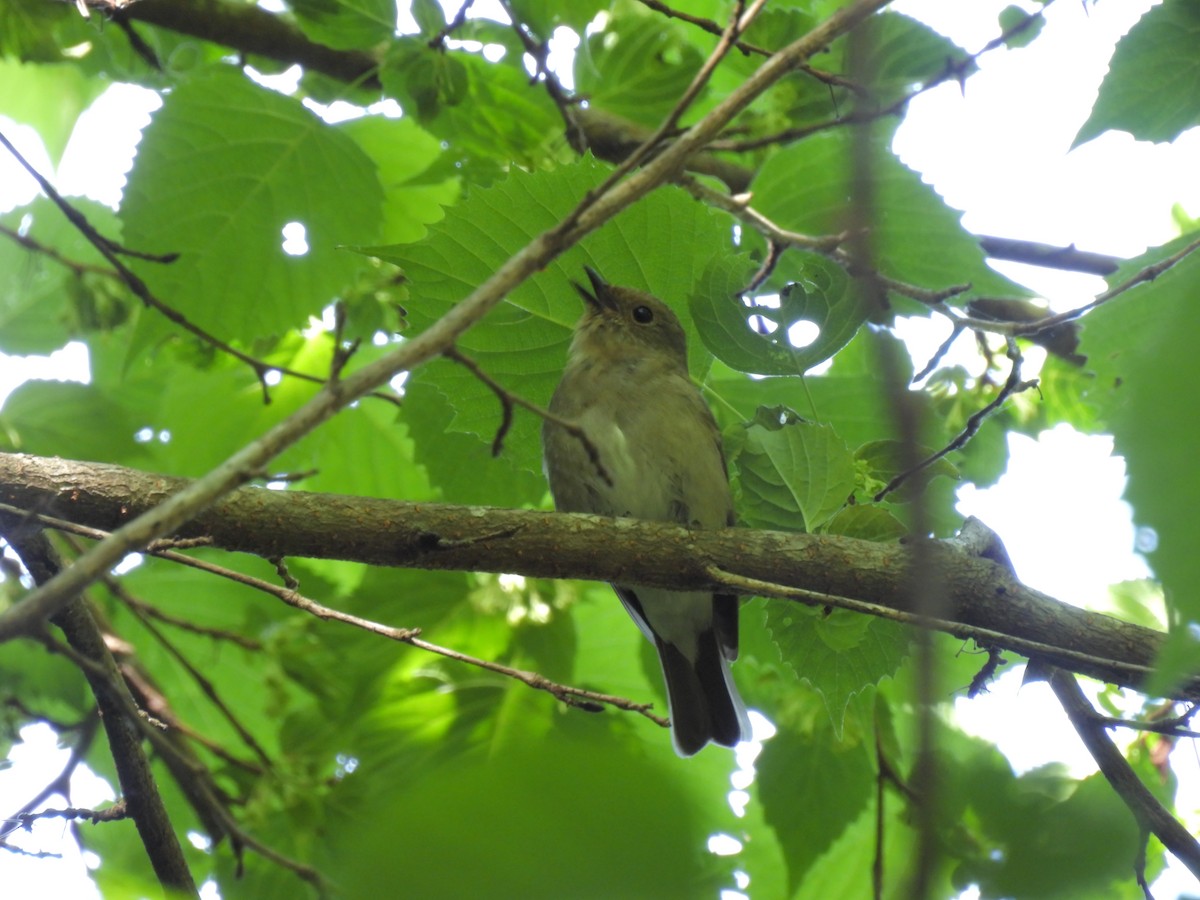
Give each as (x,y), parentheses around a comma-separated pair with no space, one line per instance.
(27,29)
(905,52)
(223,167)
(404,153)
(482,110)
(1154,78)
(43,303)
(1020,26)
(599,801)
(838,652)
(429,15)
(49,98)
(822,296)
(45,417)
(1087,841)
(346,24)
(636,70)
(460,465)
(800,772)
(793,476)
(543,15)
(1140,355)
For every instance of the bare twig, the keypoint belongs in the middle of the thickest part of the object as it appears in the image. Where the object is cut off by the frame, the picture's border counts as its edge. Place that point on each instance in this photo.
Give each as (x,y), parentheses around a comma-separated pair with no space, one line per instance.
(508,400)
(538,50)
(61,783)
(1021,329)
(114,813)
(78,268)
(1013,385)
(939,353)
(288,594)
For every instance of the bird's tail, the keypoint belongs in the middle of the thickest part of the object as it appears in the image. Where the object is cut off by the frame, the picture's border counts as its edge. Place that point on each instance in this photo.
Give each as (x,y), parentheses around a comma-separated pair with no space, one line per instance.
(703,699)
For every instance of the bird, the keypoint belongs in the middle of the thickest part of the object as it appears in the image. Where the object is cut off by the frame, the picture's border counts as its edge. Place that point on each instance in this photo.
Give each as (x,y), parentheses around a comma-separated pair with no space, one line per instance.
(655,454)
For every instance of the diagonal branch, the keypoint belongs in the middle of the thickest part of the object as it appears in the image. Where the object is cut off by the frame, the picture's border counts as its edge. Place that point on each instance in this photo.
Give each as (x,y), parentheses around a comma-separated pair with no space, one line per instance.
(140,790)
(1146,809)
(37,606)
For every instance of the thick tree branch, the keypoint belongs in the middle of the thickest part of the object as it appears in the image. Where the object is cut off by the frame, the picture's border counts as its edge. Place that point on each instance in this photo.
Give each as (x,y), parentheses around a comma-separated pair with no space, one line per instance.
(593,211)
(250,29)
(983,599)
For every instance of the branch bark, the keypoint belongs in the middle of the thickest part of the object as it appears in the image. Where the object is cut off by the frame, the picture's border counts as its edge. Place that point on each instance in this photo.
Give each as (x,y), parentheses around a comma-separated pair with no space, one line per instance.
(140,791)
(592,212)
(1150,814)
(984,600)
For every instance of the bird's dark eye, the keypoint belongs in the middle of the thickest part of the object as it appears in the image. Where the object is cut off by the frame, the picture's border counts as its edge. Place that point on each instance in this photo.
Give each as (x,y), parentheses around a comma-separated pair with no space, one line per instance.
(643,315)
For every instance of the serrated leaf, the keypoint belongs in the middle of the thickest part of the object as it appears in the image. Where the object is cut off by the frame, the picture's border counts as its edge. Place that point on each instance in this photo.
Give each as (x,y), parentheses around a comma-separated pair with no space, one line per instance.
(1154,78)
(635,70)
(1140,360)
(221,169)
(836,651)
(798,773)
(793,477)
(404,153)
(822,297)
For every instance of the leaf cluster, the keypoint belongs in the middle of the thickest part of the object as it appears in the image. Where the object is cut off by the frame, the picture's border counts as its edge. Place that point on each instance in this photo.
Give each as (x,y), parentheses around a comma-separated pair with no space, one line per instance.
(310,244)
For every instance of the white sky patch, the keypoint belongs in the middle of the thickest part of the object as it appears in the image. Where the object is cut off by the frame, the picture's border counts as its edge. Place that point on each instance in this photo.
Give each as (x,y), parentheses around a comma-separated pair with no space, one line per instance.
(119,115)
(71,363)
(295,239)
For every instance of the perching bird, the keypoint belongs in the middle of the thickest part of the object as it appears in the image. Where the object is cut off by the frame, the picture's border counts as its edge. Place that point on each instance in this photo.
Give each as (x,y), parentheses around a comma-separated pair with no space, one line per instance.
(626,385)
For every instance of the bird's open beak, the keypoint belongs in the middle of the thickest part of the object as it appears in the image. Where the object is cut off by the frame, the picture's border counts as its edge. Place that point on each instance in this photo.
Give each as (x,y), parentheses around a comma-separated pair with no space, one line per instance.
(597,299)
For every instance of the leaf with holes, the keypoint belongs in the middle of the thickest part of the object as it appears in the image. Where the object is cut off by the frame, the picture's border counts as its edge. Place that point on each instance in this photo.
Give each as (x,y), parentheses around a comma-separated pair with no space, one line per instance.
(222,169)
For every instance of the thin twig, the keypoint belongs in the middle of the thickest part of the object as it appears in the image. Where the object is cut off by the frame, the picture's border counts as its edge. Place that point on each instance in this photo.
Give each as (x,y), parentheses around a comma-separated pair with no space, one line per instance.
(744,584)
(567,694)
(61,783)
(36,246)
(114,813)
(538,50)
(572,696)
(939,353)
(508,400)
(1014,385)
(1024,329)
